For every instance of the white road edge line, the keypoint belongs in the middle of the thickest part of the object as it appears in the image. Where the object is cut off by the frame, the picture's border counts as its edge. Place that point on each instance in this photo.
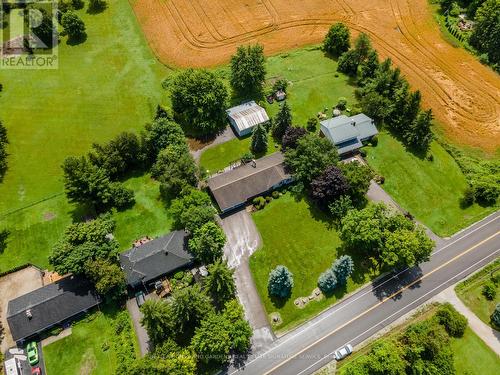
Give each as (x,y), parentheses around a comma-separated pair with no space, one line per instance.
(340,307)
(403,308)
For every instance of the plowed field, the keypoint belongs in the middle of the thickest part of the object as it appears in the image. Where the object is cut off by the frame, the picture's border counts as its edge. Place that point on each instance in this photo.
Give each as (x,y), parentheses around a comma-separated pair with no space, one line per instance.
(464,95)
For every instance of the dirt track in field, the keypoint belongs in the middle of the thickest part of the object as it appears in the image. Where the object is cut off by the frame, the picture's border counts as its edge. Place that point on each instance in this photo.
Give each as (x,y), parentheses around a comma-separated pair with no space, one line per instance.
(464,95)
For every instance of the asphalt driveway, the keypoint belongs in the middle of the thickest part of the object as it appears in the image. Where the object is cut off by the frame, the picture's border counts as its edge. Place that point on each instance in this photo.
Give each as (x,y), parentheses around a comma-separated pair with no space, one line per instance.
(243,239)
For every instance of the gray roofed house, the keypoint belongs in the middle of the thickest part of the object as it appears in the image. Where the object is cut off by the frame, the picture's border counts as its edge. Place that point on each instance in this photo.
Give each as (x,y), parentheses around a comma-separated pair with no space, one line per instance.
(246,116)
(155,258)
(43,308)
(234,188)
(348,133)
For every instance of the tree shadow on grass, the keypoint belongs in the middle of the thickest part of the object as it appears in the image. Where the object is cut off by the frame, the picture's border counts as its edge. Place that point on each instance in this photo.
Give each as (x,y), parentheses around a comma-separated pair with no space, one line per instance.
(76,40)
(277,301)
(4,236)
(97,6)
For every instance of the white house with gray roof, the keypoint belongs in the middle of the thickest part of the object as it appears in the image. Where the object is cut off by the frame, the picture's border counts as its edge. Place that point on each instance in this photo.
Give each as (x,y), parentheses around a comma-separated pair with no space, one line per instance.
(348,133)
(246,116)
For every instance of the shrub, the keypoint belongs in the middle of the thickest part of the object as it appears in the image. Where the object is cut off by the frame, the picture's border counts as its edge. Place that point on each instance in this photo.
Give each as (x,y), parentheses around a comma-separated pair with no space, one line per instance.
(342,103)
(468,197)
(280,282)
(362,152)
(454,322)
(374,141)
(259,203)
(269,199)
(312,124)
(275,194)
(327,281)
(495,317)
(247,157)
(280,84)
(489,291)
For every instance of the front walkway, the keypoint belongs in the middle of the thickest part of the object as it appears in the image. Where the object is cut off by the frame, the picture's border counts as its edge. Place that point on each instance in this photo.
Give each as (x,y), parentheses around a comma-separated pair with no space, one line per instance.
(490,336)
(242,240)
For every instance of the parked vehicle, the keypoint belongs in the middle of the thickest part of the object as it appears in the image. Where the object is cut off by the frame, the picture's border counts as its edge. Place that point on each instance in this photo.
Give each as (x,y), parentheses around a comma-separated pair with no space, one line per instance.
(32,352)
(343,352)
(36,371)
(140,298)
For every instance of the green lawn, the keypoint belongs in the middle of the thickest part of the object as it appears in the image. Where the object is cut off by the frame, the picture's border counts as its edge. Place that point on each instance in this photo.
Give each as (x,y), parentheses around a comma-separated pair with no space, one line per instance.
(109,83)
(430,190)
(313,87)
(296,235)
(220,156)
(470,292)
(473,356)
(82,352)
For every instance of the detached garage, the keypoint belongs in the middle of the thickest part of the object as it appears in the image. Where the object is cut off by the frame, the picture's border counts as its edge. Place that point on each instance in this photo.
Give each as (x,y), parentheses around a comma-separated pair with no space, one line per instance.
(246,116)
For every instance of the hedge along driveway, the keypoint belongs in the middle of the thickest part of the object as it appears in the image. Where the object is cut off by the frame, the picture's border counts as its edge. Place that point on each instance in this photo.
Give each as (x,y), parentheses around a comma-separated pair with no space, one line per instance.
(297,235)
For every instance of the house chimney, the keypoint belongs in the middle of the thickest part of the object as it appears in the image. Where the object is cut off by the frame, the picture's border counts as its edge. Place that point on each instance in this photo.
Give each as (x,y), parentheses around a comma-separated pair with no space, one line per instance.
(28,314)
(166,252)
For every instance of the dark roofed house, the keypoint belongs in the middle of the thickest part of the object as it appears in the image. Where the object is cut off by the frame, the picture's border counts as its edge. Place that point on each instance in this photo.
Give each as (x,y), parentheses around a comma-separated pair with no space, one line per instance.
(40,310)
(348,133)
(232,189)
(156,258)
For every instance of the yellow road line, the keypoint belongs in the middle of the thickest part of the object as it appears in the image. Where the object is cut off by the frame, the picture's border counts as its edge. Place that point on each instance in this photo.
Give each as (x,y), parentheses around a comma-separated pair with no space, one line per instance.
(381,302)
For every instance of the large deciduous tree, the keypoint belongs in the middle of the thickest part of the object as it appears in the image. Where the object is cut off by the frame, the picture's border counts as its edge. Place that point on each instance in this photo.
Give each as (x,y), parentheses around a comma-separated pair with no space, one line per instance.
(192,209)
(329,186)
(199,99)
(248,70)
(310,158)
(292,136)
(108,278)
(337,39)
(190,306)
(358,177)
(207,243)
(486,33)
(157,319)
(73,26)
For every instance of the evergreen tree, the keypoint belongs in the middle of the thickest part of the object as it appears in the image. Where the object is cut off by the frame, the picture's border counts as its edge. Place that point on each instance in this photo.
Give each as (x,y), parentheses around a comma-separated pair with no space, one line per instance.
(327,281)
(259,140)
(282,121)
(280,282)
(363,47)
(348,63)
(220,282)
(342,268)
(369,67)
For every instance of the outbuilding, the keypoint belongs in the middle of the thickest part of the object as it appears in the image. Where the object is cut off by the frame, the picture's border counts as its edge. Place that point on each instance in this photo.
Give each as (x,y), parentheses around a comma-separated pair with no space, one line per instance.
(348,133)
(246,116)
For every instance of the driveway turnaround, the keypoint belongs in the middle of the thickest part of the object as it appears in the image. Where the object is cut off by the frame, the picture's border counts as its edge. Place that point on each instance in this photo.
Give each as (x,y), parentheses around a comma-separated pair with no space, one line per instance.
(364,313)
(242,240)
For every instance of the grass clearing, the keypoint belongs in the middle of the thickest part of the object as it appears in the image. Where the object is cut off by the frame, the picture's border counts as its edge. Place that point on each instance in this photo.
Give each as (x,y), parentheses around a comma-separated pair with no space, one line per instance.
(470,292)
(297,235)
(83,351)
(219,157)
(429,190)
(51,114)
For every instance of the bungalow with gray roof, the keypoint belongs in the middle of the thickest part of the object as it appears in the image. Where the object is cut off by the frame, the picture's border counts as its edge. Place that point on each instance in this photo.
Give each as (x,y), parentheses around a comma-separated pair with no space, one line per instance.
(348,133)
(154,259)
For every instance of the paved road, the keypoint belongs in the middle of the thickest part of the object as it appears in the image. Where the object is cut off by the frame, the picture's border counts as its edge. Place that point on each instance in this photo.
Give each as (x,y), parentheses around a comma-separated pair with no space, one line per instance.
(364,313)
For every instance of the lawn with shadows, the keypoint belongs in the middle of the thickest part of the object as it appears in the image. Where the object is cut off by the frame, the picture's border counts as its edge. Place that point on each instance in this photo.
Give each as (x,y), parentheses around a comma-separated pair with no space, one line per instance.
(109,83)
(431,190)
(297,235)
(90,349)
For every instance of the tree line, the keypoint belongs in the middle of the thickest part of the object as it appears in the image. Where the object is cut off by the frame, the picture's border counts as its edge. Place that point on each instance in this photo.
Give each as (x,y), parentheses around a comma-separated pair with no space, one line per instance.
(3,150)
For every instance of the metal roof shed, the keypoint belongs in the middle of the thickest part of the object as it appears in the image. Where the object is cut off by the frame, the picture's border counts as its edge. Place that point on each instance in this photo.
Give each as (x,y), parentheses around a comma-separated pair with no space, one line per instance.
(246,116)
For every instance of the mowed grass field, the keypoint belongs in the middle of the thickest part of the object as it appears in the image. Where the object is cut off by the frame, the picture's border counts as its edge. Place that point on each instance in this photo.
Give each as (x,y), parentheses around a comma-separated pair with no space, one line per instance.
(88,350)
(429,190)
(108,84)
(470,292)
(314,84)
(295,234)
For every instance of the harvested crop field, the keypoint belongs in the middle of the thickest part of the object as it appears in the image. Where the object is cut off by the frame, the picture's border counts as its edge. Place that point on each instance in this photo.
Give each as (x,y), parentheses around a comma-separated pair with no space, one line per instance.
(464,95)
